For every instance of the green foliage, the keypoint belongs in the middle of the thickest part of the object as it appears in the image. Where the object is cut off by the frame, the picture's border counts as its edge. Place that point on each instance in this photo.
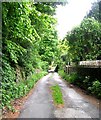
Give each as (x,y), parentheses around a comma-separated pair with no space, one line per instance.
(84,41)
(29,41)
(29,34)
(96,88)
(62,73)
(95,11)
(71,78)
(57,94)
(7,71)
(12,90)
(86,83)
(44,25)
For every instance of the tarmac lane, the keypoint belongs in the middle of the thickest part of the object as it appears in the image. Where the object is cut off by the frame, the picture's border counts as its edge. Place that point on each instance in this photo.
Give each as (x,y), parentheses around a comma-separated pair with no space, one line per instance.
(75,106)
(40,103)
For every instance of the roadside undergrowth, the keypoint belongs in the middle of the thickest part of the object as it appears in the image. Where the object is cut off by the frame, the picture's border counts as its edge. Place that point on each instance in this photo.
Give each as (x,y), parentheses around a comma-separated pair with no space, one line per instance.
(57,96)
(87,83)
(19,90)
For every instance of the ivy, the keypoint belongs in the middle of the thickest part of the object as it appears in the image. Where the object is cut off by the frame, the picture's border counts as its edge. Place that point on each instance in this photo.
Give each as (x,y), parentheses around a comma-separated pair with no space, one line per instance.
(29,41)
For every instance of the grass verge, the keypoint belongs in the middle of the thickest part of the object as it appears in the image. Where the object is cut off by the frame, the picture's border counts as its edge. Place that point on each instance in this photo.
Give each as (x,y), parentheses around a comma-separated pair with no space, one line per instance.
(57,95)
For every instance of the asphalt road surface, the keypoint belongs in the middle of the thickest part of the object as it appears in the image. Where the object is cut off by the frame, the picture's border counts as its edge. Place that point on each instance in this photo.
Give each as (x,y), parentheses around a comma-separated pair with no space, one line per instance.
(40,103)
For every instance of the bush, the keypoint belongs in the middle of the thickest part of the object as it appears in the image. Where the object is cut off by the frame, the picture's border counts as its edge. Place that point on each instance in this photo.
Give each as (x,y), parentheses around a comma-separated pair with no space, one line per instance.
(8,82)
(62,73)
(96,88)
(12,90)
(72,78)
(84,82)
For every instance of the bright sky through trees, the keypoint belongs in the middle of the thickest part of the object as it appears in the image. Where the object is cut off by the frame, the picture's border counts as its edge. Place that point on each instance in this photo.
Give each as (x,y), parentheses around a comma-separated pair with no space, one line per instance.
(71,15)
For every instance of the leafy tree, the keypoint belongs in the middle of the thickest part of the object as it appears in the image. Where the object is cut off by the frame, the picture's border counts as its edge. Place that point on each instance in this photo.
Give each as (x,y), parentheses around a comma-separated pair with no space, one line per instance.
(44,24)
(95,11)
(29,41)
(84,40)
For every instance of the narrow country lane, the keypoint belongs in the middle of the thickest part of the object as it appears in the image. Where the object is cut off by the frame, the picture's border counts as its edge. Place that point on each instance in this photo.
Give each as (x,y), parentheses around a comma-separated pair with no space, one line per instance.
(40,103)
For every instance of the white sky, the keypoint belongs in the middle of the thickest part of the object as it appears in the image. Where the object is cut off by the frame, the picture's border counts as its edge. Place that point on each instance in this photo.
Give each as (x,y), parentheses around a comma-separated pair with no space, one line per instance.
(71,15)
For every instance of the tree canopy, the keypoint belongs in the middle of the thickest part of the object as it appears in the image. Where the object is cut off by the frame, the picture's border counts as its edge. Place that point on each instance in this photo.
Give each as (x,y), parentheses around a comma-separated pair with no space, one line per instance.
(29,42)
(85,40)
